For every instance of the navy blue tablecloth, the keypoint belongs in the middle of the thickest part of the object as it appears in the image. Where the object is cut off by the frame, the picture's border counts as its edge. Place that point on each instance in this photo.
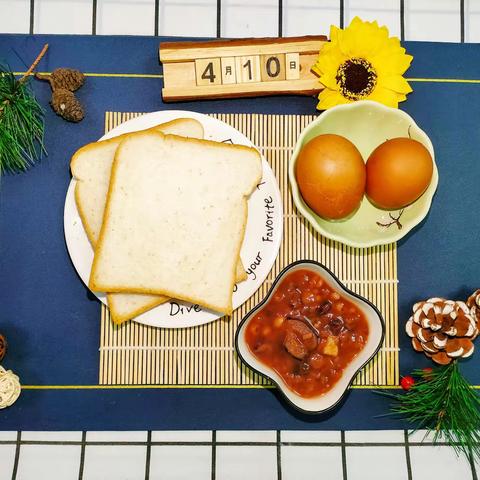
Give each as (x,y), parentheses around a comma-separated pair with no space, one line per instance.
(51,320)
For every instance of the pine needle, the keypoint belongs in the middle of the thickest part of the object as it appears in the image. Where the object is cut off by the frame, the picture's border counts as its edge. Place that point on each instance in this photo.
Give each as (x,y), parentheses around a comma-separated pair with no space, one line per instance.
(444,403)
(21,121)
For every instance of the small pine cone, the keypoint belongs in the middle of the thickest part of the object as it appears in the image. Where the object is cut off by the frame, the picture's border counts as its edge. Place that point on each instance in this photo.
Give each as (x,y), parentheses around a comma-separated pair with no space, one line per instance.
(442,329)
(473,303)
(67,78)
(66,105)
(3,347)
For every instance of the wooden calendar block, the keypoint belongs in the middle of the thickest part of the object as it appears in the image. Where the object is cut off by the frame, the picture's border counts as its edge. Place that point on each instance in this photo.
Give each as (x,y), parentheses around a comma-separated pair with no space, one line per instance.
(292,65)
(228,70)
(248,69)
(208,71)
(273,67)
(194,70)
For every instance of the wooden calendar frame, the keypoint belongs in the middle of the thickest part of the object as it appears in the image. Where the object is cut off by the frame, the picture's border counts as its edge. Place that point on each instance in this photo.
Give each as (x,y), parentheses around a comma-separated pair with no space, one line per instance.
(240,68)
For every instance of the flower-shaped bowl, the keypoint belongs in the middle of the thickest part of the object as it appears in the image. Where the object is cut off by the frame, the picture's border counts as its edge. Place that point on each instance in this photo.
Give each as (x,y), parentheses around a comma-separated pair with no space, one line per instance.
(366,124)
(328,400)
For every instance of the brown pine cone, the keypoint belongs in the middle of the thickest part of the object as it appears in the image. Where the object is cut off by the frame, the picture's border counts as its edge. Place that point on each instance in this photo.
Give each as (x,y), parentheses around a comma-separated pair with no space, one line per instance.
(66,78)
(3,347)
(66,105)
(442,329)
(473,303)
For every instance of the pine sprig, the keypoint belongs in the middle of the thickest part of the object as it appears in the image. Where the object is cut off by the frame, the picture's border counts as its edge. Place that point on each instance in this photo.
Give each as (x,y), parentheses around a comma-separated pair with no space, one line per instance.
(21,121)
(444,403)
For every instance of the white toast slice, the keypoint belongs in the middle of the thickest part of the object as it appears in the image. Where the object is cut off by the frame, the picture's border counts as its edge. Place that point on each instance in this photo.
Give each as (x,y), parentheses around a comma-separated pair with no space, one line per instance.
(91,166)
(175,218)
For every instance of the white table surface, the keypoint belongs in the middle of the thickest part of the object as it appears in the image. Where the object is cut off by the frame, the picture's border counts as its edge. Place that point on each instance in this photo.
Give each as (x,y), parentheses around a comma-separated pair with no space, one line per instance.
(252,455)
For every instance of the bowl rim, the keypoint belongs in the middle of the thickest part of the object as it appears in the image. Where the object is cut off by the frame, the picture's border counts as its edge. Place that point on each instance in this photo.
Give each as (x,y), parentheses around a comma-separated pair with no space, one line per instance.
(267,297)
(308,213)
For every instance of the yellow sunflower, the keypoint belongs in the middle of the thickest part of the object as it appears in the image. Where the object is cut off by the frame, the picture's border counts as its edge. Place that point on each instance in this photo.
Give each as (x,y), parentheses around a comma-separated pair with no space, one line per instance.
(362,62)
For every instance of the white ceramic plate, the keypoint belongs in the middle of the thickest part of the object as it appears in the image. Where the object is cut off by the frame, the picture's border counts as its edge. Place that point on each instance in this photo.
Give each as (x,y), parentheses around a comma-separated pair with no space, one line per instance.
(260,246)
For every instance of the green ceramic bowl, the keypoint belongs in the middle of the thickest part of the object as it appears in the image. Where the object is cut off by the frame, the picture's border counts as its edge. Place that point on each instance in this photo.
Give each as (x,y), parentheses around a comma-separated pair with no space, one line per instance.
(367,124)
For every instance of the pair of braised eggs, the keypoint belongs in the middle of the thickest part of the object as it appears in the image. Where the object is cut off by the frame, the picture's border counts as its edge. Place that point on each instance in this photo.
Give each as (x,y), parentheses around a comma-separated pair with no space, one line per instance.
(333,177)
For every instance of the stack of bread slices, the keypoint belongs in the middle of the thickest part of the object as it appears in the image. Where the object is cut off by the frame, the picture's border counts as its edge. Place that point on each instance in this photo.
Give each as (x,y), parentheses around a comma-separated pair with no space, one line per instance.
(165,212)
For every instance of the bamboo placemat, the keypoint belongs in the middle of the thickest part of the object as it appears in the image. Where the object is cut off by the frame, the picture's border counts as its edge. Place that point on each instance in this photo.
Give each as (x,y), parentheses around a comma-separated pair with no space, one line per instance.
(205,355)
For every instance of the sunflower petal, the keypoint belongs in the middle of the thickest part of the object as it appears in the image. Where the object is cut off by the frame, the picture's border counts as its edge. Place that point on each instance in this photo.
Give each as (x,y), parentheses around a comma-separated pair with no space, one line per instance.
(396,83)
(329,63)
(396,63)
(360,38)
(385,96)
(329,98)
(334,34)
(329,81)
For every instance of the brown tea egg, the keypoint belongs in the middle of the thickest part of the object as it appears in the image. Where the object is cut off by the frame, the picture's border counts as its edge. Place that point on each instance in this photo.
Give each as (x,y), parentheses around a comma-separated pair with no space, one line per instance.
(398,173)
(330,173)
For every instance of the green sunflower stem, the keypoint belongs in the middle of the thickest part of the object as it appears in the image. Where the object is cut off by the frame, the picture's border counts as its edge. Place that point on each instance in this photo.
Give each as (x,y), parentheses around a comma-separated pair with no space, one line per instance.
(445,403)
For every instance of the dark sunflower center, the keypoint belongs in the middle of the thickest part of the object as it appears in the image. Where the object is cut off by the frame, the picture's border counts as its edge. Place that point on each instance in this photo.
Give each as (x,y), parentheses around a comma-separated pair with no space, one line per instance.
(356,78)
